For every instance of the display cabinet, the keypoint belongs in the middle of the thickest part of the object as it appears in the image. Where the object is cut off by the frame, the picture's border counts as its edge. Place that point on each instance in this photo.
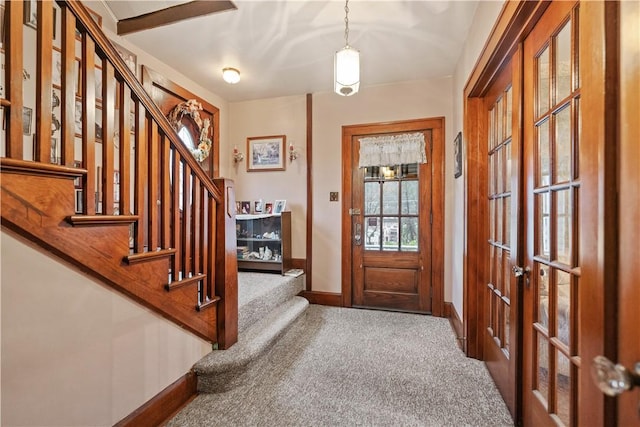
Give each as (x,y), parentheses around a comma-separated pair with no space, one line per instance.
(264,242)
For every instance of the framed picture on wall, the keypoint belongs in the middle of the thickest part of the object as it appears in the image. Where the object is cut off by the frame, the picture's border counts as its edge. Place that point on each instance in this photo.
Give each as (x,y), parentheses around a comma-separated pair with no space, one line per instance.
(266,153)
(457,155)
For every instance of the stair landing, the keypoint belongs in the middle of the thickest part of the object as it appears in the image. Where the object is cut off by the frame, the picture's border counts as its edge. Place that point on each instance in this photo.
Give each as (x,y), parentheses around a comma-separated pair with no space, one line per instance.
(267,306)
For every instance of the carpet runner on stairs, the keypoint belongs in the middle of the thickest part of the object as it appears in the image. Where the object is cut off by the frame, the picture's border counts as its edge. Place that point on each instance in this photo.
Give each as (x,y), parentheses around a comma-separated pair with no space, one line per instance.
(267,306)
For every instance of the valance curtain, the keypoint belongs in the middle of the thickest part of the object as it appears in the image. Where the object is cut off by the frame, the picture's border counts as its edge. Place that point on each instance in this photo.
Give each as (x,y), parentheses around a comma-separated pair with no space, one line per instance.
(391,150)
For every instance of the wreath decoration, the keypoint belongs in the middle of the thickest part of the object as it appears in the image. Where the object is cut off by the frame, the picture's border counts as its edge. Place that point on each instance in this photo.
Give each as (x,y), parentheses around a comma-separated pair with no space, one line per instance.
(192,109)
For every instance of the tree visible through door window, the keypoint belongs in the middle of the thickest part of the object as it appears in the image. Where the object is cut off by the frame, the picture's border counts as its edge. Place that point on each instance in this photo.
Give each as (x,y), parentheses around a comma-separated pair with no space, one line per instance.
(391,195)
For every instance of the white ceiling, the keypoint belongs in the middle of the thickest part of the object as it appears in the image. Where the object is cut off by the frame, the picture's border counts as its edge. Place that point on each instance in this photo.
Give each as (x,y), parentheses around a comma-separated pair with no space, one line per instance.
(286,47)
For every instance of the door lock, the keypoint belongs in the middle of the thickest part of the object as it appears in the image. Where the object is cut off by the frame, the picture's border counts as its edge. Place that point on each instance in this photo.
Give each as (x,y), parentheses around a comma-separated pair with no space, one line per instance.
(357,235)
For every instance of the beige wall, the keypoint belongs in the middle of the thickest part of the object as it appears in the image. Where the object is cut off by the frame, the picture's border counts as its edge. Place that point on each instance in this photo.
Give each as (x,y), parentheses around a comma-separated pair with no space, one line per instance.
(486,14)
(268,117)
(76,353)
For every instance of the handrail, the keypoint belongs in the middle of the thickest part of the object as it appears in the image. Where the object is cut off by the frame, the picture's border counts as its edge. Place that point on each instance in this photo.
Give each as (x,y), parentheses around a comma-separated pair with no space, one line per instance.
(106,47)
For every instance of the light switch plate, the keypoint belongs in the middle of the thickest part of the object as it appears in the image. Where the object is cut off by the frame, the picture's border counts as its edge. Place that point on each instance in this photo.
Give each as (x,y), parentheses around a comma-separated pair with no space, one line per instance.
(333,196)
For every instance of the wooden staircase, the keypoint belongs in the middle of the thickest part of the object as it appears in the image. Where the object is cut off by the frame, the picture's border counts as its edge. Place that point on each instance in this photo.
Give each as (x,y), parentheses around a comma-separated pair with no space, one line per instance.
(163,233)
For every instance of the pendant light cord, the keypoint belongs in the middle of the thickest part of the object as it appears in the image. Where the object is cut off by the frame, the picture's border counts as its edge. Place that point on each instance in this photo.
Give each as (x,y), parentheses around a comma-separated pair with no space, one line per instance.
(346,22)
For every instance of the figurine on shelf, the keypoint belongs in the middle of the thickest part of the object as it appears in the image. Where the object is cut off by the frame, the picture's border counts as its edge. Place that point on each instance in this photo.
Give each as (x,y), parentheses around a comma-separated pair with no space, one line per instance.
(267,253)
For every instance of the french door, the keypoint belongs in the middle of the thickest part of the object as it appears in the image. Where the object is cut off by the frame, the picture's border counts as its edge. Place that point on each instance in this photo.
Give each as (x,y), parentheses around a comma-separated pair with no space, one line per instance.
(552,188)
(500,326)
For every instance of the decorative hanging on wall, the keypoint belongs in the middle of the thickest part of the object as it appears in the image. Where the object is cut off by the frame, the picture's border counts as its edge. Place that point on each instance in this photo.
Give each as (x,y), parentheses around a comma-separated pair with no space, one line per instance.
(390,150)
(192,108)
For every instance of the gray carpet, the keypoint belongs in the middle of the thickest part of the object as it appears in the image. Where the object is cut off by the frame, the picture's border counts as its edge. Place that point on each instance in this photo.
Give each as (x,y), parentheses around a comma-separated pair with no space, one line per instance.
(344,367)
(260,293)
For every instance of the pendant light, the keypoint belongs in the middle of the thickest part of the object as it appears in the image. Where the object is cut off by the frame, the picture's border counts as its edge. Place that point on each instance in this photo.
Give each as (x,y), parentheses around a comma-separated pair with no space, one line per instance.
(347,64)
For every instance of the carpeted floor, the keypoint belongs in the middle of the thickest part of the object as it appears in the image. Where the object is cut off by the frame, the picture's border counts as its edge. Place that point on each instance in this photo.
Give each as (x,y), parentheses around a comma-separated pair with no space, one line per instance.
(344,367)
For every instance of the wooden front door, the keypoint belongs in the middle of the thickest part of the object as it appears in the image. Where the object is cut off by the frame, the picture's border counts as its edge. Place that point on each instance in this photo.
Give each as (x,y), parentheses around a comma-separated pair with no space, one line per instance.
(551,341)
(390,222)
(500,325)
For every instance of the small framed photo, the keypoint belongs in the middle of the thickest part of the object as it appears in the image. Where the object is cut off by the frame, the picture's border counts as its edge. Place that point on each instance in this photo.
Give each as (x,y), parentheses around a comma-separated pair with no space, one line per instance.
(257,206)
(78,119)
(27,115)
(279,206)
(77,182)
(2,30)
(31,14)
(128,57)
(245,207)
(79,197)
(268,208)
(266,153)
(95,16)
(457,155)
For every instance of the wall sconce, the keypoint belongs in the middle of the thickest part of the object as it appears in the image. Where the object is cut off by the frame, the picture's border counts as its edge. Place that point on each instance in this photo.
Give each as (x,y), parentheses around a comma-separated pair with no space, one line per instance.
(237,156)
(293,154)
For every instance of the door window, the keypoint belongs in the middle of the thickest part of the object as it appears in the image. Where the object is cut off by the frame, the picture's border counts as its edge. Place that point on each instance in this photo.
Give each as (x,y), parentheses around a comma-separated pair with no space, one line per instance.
(391,195)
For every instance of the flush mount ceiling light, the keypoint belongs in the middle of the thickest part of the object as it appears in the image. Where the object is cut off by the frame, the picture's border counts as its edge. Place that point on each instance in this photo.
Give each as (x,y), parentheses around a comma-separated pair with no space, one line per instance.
(231,75)
(346,66)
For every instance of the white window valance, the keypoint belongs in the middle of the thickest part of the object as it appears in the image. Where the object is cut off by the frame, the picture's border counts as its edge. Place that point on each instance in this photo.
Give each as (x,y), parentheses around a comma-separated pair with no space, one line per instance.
(392,150)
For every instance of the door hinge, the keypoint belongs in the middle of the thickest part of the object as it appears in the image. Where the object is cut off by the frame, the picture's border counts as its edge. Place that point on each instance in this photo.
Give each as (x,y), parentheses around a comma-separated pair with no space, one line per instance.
(354,211)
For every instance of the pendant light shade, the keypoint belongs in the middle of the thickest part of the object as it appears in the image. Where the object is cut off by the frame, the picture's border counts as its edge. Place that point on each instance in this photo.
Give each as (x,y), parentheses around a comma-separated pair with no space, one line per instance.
(347,71)
(346,65)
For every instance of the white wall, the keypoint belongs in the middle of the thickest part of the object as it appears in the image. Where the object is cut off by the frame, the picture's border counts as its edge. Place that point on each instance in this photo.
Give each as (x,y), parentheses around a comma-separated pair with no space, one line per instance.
(486,14)
(76,353)
(401,101)
(267,117)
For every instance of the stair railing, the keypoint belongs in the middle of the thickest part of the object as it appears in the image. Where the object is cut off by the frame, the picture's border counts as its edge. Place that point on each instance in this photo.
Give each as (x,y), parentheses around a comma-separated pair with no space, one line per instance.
(144,175)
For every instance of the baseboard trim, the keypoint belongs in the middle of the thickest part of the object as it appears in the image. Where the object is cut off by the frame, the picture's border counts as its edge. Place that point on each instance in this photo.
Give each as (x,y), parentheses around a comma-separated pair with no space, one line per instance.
(300,263)
(456,324)
(165,404)
(323,298)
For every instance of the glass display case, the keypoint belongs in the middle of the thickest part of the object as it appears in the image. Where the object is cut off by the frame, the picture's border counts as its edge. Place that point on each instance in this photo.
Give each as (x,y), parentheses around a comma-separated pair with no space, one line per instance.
(264,242)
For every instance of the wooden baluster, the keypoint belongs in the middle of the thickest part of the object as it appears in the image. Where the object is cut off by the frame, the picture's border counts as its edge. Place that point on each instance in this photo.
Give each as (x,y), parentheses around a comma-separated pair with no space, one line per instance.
(125,148)
(175,211)
(185,232)
(14,57)
(69,86)
(44,48)
(108,122)
(204,237)
(209,288)
(140,178)
(88,123)
(165,190)
(195,227)
(153,207)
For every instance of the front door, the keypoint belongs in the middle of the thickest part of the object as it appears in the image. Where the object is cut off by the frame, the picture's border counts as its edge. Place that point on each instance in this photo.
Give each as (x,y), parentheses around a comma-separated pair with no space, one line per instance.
(551,342)
(390,218)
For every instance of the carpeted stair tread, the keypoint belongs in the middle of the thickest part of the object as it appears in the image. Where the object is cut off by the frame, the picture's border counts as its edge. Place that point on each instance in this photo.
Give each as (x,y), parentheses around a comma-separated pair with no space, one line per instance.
(220,370)
(260,293)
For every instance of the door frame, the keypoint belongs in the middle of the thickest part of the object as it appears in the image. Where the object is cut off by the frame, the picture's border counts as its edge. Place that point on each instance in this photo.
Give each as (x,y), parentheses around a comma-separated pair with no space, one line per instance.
(599,40)
(436,125)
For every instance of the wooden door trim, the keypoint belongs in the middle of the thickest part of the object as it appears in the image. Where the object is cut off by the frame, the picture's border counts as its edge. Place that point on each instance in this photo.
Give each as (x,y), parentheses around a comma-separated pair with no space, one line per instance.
(598,202)
(436,125)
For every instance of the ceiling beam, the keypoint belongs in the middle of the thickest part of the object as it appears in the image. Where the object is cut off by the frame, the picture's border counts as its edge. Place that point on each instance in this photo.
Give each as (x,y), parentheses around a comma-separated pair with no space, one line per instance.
(172,14)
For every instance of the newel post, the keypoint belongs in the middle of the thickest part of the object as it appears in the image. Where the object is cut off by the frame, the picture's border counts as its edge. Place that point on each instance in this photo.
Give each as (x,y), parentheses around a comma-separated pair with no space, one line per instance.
(226,280)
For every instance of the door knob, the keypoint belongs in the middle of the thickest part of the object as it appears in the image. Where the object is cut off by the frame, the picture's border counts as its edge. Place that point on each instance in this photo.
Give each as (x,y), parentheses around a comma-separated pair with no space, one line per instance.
(520,271)
(614,379)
